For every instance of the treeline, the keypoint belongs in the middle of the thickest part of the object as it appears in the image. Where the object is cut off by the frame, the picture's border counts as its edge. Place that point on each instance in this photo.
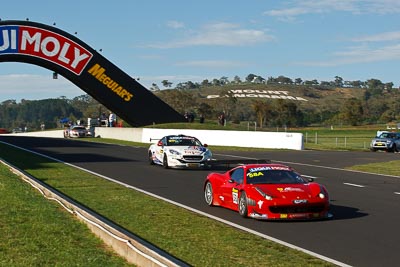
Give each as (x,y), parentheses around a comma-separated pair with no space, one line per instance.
(33,113)
(338,82)
(377,103)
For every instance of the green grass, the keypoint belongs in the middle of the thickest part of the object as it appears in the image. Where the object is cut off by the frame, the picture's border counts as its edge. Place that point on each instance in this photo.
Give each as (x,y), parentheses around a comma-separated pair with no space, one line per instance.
(37,232)
(190,237)
(389,168)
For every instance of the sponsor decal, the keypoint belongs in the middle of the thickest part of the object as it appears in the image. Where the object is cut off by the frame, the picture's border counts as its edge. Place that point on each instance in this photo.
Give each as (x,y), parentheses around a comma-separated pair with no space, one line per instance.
(235,195)
(99,73)
(44,44)
(300,201)
(192,151)
(259,94)
(290,189)
(267,168)
(254,174)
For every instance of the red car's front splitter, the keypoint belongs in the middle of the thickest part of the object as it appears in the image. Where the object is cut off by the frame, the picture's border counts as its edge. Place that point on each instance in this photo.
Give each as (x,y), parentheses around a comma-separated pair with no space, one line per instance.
(291,216)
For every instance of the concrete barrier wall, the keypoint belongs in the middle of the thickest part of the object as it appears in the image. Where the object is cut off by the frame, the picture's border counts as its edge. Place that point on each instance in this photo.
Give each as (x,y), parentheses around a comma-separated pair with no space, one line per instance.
(276,140)
(127,134)
(52,134)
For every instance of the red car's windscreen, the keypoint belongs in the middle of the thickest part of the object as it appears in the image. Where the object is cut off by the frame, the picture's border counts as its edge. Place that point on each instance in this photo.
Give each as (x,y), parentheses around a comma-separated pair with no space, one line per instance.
(264,176)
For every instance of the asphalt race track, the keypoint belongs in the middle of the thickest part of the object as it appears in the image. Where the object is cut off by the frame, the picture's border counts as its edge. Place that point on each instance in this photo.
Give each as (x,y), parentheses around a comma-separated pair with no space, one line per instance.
(365,207)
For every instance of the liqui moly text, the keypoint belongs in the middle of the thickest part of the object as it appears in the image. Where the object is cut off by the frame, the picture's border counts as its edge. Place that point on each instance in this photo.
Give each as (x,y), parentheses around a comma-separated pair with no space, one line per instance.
(41,43)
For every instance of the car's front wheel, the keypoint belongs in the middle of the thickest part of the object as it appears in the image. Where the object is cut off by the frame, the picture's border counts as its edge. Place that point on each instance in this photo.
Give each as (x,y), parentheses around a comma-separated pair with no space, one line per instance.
(151,158)
(165,162)
(208,194)
(243,210)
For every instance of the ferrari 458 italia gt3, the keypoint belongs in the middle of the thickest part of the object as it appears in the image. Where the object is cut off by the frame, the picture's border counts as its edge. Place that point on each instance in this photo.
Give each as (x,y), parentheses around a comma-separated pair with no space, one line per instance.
(267,192)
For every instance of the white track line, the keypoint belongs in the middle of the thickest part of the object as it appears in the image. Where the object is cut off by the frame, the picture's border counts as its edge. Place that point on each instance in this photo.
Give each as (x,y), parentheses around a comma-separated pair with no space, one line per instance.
(355,185)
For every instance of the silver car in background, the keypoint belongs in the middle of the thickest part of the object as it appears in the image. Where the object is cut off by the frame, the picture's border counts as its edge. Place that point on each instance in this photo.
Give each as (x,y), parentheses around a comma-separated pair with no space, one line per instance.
(386,141)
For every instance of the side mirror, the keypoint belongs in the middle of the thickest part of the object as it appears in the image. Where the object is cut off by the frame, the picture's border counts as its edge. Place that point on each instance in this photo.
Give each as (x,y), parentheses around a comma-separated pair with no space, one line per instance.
(159,143)
(205,145)
(311,180)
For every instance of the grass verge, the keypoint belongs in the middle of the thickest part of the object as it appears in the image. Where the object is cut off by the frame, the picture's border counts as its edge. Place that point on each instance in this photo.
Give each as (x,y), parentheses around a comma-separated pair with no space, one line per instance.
(37,232)
(190,237)
(389,168)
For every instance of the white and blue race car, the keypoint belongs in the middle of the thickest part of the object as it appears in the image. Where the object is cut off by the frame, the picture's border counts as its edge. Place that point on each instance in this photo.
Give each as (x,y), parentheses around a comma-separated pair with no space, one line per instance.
(179,151)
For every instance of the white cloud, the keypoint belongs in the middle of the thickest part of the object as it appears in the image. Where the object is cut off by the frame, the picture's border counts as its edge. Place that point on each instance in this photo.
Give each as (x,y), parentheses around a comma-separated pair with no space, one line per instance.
(225,64)
(381,37)
(220,34)
(175,24)
(302,7)
(358,54)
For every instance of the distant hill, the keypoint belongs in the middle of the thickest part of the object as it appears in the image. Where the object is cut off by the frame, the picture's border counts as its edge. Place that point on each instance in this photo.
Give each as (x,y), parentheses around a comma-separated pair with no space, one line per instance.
(313,104)
(306,97)
(268,104)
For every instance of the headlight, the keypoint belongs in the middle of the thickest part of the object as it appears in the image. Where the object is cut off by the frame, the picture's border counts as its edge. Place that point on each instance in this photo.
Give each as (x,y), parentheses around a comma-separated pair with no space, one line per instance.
(322,194)
(266,196)
(388,142)
(174,152)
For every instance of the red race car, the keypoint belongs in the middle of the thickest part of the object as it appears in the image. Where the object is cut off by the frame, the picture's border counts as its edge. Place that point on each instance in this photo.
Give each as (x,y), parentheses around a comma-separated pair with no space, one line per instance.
(267,192)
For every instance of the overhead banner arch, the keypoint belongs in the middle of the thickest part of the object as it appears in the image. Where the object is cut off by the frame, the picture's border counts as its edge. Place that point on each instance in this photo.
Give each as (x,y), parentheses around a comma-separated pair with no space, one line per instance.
(65,54)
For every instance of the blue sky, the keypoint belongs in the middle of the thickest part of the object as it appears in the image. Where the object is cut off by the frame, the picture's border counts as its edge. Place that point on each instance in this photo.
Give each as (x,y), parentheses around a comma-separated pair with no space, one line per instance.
(183,41)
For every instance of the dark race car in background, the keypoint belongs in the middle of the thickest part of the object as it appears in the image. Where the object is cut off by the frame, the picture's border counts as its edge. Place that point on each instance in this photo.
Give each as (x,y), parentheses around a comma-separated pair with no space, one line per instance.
(267,192)
(386,141)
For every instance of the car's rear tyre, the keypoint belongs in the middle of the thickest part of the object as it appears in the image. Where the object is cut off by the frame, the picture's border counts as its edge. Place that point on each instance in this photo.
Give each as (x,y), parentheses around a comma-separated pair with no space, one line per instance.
(208,194)
(242,206)
(395,149)
(165,162)
(151,158)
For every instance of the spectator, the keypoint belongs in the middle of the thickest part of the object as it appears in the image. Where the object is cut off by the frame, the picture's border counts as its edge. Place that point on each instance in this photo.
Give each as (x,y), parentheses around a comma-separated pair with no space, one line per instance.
(112,119)
(201,118)
(221,119)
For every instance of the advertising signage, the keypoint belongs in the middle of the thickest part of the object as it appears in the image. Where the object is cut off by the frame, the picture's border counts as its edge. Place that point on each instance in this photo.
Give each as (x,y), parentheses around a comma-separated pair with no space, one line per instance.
(65,54)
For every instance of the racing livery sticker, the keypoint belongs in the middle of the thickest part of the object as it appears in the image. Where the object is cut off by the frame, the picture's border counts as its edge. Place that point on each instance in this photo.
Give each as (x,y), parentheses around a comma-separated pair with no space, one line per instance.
(289,189)
(235,196)
(44,44)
